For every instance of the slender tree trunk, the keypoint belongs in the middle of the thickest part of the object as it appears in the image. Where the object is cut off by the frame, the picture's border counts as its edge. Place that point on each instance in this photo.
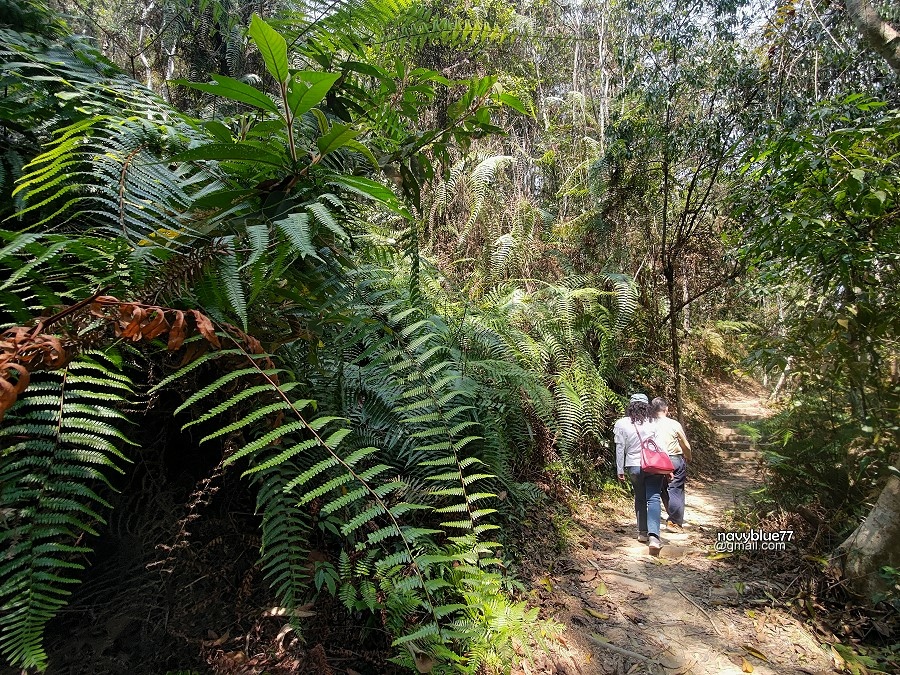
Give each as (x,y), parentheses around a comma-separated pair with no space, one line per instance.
(145,16)
(604,79)
(780,383)
(874,544)
(669,273)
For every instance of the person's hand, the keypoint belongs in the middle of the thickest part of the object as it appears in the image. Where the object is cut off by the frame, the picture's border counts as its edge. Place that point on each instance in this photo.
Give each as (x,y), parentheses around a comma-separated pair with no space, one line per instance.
(621,476)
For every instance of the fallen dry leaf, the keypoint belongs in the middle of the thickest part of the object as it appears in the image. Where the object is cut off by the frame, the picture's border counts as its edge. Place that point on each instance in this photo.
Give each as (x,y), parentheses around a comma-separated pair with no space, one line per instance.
(215,641)
(597,615)
(753,651)
(746,666)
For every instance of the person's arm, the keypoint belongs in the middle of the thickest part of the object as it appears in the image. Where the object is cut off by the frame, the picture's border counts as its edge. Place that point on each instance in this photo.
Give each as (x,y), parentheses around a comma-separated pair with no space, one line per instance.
(619,435)
(683,442)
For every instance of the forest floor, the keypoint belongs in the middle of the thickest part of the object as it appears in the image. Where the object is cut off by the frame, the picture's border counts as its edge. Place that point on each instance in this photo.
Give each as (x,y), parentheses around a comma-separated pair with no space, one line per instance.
(690,611)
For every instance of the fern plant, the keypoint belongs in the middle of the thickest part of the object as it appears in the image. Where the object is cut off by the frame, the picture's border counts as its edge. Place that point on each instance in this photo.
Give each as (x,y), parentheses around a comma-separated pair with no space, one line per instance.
(59,444)
(405,514)
(563,334)
(254,220)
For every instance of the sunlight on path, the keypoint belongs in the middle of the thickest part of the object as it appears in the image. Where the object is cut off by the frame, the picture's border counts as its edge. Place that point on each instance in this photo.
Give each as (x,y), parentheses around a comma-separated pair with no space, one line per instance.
(680,614)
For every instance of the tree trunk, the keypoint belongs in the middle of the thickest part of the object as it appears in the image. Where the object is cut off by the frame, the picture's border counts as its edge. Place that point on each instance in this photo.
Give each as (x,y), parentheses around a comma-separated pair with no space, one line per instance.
(880,35)
(145,17)
(874,544)
(669,273)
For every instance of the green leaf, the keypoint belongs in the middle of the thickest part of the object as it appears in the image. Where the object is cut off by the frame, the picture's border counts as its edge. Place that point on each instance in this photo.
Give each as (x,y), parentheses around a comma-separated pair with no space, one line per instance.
(365,69)
(272,47)
(222,199)
(302,98)
(363,150)
(219,130)
(230,88)
(266,129)
(230,152)
(513,102)
(338,137)
(374,191)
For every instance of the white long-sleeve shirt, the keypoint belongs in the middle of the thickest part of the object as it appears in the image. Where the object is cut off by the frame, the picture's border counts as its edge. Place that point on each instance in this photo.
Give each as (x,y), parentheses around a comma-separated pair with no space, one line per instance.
(628,446)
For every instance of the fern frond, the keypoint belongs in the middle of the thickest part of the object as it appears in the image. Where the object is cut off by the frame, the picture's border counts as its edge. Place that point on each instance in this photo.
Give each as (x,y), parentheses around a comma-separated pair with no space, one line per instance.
(60,441)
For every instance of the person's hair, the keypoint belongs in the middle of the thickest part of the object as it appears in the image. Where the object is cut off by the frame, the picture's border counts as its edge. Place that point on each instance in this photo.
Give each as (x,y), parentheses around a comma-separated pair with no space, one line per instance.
(638,411)
(658,405)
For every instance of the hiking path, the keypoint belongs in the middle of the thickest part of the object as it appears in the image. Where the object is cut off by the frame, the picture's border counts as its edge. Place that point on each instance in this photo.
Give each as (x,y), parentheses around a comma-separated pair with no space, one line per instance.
(690,611)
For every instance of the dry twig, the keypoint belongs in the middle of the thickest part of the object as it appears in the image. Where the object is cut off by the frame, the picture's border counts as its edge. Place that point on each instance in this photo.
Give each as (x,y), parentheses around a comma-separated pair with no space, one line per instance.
(705,613)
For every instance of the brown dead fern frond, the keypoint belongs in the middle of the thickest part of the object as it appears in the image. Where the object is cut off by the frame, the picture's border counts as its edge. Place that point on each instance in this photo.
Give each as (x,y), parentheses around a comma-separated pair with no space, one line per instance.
(24,349)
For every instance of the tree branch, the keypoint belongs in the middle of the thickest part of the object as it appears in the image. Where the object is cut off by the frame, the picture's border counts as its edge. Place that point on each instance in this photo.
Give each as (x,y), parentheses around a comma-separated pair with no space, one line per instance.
(731,276)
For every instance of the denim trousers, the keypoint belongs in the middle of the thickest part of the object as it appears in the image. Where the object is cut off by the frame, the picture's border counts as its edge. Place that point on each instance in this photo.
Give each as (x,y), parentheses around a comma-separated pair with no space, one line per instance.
(673,490)
(646,499)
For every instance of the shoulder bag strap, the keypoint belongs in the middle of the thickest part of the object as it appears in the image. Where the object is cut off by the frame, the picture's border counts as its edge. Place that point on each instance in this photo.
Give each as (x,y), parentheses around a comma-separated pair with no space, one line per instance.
(640,440)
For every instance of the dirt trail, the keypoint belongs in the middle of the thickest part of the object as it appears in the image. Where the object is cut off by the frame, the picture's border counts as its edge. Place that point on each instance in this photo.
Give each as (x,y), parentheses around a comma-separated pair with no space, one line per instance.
(687,612)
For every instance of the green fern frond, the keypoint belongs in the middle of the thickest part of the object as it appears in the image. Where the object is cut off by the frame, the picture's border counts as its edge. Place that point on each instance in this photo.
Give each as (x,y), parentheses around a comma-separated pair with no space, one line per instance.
(480,181)
(60,441)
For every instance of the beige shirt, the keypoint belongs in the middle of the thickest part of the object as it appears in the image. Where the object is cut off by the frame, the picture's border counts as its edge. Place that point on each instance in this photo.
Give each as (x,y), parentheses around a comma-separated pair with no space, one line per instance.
(667,435)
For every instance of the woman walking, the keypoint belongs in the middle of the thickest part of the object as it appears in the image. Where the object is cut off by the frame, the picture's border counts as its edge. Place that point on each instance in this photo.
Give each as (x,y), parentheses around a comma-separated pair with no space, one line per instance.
(629,432)
(671,438)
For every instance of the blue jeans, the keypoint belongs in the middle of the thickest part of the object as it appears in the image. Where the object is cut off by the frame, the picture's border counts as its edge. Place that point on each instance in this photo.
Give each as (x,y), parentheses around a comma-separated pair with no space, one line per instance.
(673,491)
(646,499)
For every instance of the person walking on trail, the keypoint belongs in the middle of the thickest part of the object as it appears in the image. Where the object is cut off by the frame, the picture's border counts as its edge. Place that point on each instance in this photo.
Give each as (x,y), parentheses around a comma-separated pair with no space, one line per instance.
(629,431)
(671,437)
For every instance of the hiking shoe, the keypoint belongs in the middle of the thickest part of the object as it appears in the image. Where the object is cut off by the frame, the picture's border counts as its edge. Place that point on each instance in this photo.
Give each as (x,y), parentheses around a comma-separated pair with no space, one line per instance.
(655,545)
(674,527)
(642,537)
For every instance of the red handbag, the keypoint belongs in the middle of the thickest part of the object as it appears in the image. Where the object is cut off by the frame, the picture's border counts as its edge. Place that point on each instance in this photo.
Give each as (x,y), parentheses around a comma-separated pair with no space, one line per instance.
(654,460)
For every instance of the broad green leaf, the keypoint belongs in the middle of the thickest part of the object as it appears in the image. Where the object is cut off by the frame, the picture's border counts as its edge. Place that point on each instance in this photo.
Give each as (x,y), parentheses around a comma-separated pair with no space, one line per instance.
(230,88)
(222,199)
(266,129)
(321,120)
(234,152)
(302,98)
(365,69)
(372,190)
(363,150)
(219,130)
(514,102)
(272,47)
(338,137)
